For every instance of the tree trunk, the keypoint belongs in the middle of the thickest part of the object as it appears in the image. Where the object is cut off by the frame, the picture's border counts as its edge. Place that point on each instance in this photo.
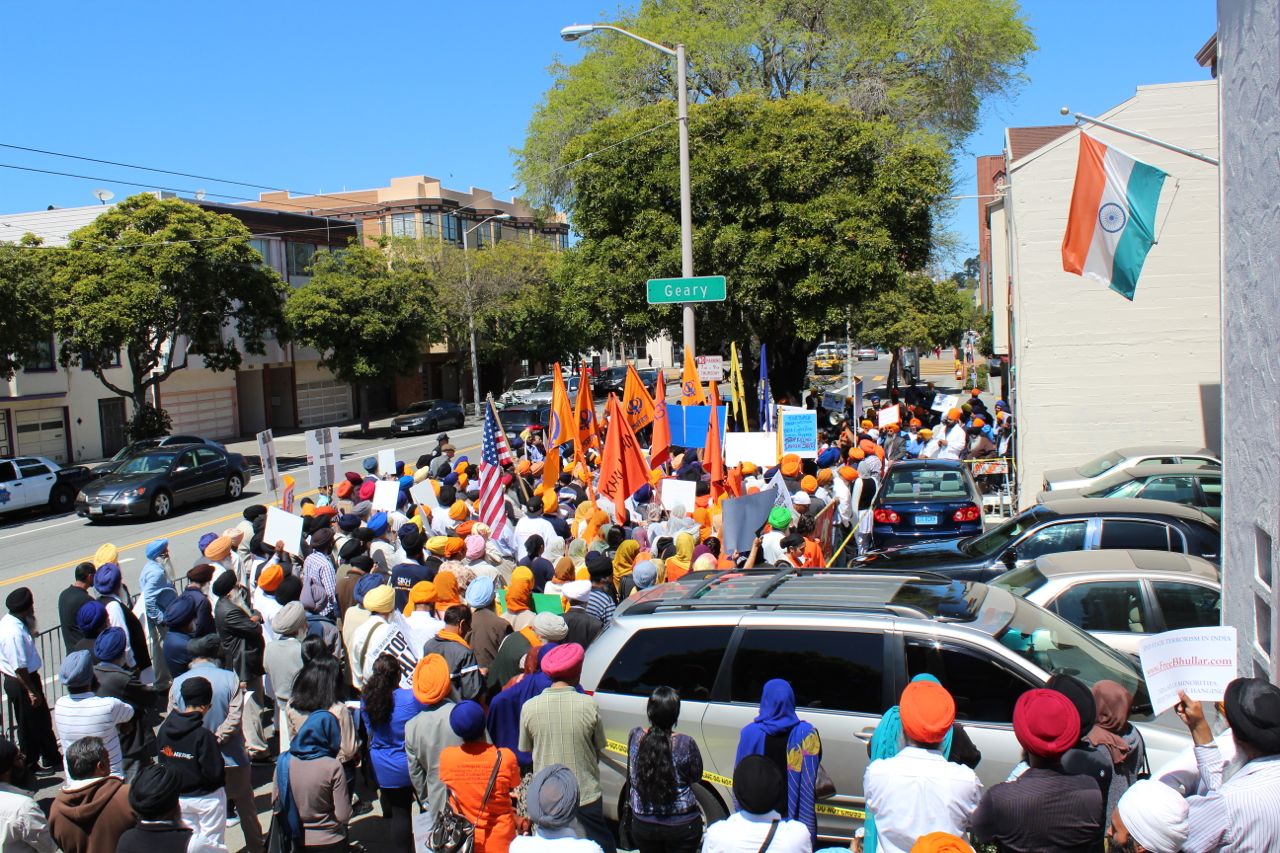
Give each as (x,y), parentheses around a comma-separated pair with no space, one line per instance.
(891,381)
(788,361)
(364,407)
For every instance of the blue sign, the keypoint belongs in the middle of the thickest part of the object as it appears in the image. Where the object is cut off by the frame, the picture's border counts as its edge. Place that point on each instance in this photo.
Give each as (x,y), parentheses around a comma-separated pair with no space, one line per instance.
(689,424)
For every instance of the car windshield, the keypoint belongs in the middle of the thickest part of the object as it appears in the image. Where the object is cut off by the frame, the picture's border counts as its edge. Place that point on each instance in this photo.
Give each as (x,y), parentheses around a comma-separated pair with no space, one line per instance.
(152,463)
(526,384)
(1126,489)
(134,449)
(614,374)
(1101,465)
(424,406)
(924,484)
(1021,582)
(994,541)
(544,384)
(1057,646)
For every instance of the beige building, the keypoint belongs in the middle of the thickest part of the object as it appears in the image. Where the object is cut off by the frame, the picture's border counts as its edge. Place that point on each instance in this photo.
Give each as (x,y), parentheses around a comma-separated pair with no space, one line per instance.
(1094,371)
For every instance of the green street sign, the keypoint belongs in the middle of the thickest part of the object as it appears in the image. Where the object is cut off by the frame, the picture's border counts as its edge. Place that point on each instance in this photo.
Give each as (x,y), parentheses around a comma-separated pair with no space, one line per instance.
(703,288)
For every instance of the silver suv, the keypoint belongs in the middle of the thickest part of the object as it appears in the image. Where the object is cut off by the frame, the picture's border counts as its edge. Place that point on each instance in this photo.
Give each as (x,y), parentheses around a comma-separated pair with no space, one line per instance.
(848,641)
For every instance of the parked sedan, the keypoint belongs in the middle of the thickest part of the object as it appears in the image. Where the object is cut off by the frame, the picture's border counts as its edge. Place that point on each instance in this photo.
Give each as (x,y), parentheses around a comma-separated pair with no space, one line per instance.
(1088,474)
(923,500)
(1122,596)
(1191,485)
(155,482)
(1078,524)
(134,448)
(429,416)
(611,380)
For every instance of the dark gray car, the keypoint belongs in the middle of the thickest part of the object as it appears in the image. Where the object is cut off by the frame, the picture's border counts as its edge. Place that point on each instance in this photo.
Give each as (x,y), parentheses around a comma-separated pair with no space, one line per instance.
(155,482)
(429,416)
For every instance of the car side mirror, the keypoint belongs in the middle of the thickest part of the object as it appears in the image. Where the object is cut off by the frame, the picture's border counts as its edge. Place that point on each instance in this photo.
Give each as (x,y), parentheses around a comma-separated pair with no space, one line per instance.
(180,469)
(1010,557)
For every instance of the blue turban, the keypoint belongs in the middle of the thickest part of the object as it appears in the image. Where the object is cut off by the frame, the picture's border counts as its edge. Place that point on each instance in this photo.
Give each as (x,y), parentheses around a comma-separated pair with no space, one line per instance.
(378,524)
(516,442)
(400,468)
(461,460)
(177,614)
(156,548)
(205,540)
(829,457)
(450,479)
(348,522)
(366,583)
(370,464)
(406,483)
(644,494)
(467,720)
(91,617)
(109,645)
(480,592)
(107,578)
(76,670)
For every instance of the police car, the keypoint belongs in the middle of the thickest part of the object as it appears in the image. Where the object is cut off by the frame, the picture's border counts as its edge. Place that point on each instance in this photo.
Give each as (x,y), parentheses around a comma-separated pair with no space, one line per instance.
(30,482)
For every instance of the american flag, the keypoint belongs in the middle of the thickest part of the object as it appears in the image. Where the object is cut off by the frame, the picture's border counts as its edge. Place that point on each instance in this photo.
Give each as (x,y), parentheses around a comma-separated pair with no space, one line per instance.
(494,454)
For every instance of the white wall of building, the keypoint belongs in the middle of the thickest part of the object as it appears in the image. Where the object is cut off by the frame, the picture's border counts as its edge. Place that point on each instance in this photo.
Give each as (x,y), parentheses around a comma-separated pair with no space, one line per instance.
(1096,371)
(1249,74)
(999,279)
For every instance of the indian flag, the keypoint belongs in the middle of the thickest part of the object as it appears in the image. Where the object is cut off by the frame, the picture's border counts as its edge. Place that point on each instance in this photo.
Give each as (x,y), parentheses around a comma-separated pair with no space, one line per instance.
(1113,211)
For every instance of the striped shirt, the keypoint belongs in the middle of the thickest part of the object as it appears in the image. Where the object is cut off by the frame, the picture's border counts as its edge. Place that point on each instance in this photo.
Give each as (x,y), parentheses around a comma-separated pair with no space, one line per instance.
(1240,815)
(80,715)
(600,605)
(319,566)
(562,726)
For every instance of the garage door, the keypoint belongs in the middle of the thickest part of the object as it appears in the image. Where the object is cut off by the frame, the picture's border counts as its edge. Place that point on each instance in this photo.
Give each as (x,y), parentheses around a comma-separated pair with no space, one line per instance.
(42,432)
(323,402)
(209,413)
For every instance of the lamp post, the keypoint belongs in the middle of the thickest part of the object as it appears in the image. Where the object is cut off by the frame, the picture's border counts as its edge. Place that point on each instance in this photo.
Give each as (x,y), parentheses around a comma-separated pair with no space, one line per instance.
(577,31)
(471,309)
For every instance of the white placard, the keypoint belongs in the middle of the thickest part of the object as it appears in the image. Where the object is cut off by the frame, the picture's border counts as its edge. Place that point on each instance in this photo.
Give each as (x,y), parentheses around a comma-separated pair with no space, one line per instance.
(267,453)
(323,455)
(945,404)
(385,495)
(758,447)
(1199,661)
(711,368)
(682,492)
(424,495)
(386,462)
(283,527)
(891,415)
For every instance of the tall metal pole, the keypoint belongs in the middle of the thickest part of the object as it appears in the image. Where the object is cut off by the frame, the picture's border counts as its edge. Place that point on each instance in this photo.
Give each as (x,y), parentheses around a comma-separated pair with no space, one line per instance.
(686,203)
(471,325)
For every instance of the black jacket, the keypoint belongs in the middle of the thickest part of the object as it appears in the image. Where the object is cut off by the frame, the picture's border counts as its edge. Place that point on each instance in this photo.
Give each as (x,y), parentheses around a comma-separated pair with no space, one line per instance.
(139,740)
(191,751)
(583,627)
(158,837)
(242,641)
(69,603)
(133,627)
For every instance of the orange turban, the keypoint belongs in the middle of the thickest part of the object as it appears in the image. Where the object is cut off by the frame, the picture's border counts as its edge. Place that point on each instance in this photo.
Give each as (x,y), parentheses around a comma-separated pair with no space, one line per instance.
(270,578)
(790,465)
(749,468)
(536,468)
(809,483)
(927,711)
(979,422)
(866,424)
(954,414)
(940,842)
(848,474)
(824,477)
(218,549)
(915,422)
(431,681)
(343,490)
(455,548)
(550,501)
(465,528)
(458,512)
(523,466)
(422,592)
(857,454)
(308,510)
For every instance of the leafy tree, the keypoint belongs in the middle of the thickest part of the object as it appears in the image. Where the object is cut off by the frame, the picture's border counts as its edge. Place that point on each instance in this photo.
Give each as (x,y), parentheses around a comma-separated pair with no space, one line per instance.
(370,316)
(919,312)
(806,206)
(921,63)
(967,277)
(24,292)
(161,280)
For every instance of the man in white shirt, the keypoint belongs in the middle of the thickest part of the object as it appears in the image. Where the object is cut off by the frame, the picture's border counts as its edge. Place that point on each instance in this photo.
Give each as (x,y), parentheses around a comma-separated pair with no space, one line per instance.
(81,714)
(757,785)
(955,440)
(918,791)
(533,523)
(23,827)
(20,666)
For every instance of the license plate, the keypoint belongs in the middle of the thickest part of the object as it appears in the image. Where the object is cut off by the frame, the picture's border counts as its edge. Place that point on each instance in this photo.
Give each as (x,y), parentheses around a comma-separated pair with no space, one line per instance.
(95,510)
(922,520)
(404,429)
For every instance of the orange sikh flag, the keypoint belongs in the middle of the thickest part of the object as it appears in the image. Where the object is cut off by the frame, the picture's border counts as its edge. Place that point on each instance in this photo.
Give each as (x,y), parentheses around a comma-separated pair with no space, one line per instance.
(622,468)
(713,457)
(660,443)
(636,402)
(690,386)
(551,469)
(560,428)
(588,434)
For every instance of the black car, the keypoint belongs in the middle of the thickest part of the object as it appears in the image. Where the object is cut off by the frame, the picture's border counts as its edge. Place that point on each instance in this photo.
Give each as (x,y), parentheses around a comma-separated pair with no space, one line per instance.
(516,419)
(1079,524)
(134,448)
(429,416)
(611,380)
(156,481)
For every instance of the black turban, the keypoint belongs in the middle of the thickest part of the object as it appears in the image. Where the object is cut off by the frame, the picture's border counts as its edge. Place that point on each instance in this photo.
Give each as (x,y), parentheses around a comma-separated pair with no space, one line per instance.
(757,784)
(154,792)
(1253,710)
(20,600)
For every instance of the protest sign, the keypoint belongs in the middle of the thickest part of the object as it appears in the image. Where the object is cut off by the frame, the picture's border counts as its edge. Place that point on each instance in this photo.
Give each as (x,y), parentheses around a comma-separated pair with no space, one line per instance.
(1199,661)
(832,402)
(323,454)
(689,424)
(424,494)
(710,368)
(267,453)
(283,527)
(758,447)
(798,432)
(386,462)
(945,404)
(681,492)
(782,495)
(385,495)
(401,641)
(891,415)
(742,518)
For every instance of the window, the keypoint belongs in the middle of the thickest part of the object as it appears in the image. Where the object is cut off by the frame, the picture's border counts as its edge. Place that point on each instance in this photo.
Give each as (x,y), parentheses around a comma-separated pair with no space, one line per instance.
(562,240)
(984,691)
(402,224)
(635,350)
(449,223)
(263,247)
(298,256)
(686,659)
(1156,460)
(1178,490)
(1202,462)
(829,670)
(1212,489)
(1187,605)
(32,468)
(1053,539)
(187,459)
(1135,534)
(7,472)
(42,360)
(112,361)
(207,456)
(1104,606)
(430,226)
(478,236)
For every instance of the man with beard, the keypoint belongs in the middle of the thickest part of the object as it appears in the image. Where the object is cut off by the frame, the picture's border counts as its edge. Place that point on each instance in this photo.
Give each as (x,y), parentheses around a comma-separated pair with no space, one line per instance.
(20,666)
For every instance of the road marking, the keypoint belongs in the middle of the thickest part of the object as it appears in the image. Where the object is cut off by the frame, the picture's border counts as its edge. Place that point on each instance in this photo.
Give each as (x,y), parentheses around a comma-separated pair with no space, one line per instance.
(41,528)
(208,522)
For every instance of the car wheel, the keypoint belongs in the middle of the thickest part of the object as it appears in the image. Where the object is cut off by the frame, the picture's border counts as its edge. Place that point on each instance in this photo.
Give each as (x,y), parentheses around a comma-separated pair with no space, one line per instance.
(62,499)
(161,506)
(430,426)
(709,804)
(235,487)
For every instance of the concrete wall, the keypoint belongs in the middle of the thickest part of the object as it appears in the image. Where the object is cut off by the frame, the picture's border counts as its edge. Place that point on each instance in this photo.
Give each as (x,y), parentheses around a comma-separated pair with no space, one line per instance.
(1095,371)
(1249,73)
(999,280)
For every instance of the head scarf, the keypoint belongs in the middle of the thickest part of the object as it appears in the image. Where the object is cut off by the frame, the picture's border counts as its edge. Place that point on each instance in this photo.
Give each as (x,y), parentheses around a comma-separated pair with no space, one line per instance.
(624,561)
(578,553)
(107,553)
(1155,815)
(564,570)
(645,574)
(447,593)
(520,590)
(682,562)
(480,592)
(1113,703)
(318,737)
(552,797)
(431,681)
(422,592)
(706,562)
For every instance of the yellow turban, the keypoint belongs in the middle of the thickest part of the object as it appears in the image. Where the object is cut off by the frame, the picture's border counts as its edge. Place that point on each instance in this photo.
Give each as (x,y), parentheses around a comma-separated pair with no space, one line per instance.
(106,553)
(550,501)
(380,599)
(436,545)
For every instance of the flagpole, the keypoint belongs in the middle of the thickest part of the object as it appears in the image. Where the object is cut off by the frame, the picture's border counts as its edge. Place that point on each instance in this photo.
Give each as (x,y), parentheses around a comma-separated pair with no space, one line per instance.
(524,493)
(1178,149)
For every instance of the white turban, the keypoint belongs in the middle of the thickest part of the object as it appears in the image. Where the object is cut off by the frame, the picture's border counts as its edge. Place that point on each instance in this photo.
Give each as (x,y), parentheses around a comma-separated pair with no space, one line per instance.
(1155,815)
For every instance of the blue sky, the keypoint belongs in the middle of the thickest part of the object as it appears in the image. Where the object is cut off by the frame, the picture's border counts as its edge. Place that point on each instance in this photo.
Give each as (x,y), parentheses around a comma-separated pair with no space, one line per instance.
(323,96)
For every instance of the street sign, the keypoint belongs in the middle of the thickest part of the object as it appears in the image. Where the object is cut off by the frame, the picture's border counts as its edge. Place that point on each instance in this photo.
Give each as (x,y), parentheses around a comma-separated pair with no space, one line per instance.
(704,288)
(710,368)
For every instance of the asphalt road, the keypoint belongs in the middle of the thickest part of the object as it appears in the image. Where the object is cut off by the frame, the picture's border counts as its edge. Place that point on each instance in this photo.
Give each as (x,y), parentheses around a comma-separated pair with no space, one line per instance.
(41,551)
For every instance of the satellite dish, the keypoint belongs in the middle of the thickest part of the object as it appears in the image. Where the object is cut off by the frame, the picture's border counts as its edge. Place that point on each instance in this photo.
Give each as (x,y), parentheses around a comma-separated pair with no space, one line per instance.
(200,194)
(103,196)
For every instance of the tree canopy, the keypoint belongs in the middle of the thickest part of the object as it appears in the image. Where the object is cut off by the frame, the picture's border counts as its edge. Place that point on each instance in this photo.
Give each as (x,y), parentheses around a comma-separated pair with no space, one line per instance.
(24,292)
(920,63)
(160,280)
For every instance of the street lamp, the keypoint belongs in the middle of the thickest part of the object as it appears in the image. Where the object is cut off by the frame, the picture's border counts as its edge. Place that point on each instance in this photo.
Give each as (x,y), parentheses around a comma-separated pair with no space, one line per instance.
(471,311)
(573,32)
